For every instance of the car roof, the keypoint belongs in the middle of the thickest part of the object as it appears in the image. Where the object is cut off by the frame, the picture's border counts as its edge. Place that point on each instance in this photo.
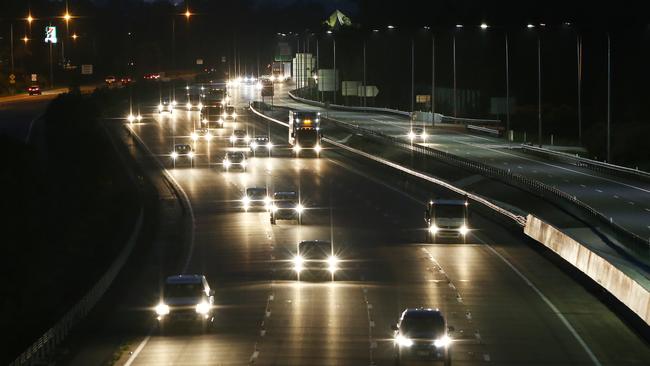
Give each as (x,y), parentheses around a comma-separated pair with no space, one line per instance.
(284,193)
(422,313)
(449,202)
(181,279)
(185,146)
(234,153)
(252,189)
(239,132)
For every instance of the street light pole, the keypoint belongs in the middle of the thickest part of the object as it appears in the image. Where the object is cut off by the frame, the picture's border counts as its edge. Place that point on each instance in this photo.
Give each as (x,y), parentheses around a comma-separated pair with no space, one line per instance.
(11,39)
(433,79)
(336,82)
(364,73)
(579,50)
(412,75)
(609,98)
(453,46)
(507,84)
(539,89)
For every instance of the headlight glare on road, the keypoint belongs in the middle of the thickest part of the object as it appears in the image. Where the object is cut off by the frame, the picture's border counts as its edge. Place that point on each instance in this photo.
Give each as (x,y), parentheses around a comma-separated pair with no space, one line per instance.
(174,155)
(445,341)
(298,262)
(332,264)
(162,309)
(202,308)
(403,341)
(463,230)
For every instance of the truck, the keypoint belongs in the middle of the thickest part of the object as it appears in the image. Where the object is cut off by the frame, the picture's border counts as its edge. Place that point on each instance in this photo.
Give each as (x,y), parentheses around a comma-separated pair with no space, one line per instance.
(281,70)
(447,219)
(304,132)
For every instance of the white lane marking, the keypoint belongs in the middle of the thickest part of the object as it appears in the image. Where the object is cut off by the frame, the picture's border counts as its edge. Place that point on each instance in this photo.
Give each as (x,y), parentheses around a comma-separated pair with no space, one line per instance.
(583,186)
(137,351)
(486,357)
(630,203)
(548,302)
(182,192)
(599,191)
(31,125)
(647,209)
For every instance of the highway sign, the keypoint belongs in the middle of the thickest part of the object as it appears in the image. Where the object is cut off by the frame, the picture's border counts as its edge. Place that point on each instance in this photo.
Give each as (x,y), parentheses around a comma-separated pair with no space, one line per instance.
(34,77)
(199,61)
(426,98)
(86,69)
(350,88)
(50,34)
(371,91)
(12,79)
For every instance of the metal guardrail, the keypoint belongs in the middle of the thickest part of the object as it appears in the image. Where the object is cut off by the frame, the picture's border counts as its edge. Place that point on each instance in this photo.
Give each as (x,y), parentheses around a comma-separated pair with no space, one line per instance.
(587,163)
(55,335)
(520,220)
(491,131)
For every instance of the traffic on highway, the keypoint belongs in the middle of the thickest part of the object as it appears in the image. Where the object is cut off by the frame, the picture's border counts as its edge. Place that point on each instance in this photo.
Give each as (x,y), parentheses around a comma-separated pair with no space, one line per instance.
(323,183)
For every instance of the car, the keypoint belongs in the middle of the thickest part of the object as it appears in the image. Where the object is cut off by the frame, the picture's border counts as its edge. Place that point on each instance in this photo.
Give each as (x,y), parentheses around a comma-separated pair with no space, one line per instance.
(422,334)
(126,80)
(151,76)
(240,137)
(211,116)
(286,206)
(34,90)
(201,133)
(110,80)
(256,197)
(166,106)
(233,160)
(183,151)
(229,113)
(418,133)
(185,298)
(315,259)
(260,142)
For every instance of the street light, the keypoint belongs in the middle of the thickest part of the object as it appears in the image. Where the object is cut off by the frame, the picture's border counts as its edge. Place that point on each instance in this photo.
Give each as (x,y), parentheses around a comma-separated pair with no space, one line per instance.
(187,14)
(484,26)
(29,19)
(75,36)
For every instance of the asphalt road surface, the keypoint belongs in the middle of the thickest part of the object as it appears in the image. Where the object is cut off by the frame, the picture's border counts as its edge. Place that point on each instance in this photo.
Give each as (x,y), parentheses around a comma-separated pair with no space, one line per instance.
(626,201)
(508,303)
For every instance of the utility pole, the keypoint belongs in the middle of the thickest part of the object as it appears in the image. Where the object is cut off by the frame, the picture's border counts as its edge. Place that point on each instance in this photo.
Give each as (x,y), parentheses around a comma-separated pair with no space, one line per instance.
(364,73)
(336,81)
(579,49)
(539,90)
(609,99)
(412,76)
(507,86)
(11,39)
(453,46)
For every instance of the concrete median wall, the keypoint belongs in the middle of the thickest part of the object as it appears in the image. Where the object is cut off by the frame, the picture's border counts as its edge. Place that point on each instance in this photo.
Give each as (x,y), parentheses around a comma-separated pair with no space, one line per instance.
(625,288)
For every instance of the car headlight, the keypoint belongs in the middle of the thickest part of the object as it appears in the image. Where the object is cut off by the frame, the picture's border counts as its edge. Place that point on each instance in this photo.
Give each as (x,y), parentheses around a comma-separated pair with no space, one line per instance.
(411,135)
(194,136)
(317,148)
(174,103)
(205,120)
(190,154)
(332,264)
(246,201)
(138,118)
(174,155)
(208,136)
(445,341)
(299,208)
(234,115)
(226,163)
(202,308)
(297,148)
(298,262)
(463,230)
(247,139)
(424,136)
(233,138)
(433,229)
(130,118)
(160,107)
(274,208)
(254,145)
(244,163)
(188,105)
(224,115)
(200,105)
(162,309)
(269,145)
(403,341)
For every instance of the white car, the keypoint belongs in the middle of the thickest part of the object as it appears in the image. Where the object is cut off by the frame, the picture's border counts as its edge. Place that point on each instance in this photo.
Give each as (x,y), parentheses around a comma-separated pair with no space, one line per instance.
(186,298)
(234,160)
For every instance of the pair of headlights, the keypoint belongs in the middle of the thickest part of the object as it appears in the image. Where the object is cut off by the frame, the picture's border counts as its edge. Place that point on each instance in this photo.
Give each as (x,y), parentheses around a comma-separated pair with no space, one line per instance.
(174,155)
(299,208)
(233,139)
(441,342)
(246,201)
(463,230)
(299,264)
(202,308)
(297,148)
(228,163)
(255,145)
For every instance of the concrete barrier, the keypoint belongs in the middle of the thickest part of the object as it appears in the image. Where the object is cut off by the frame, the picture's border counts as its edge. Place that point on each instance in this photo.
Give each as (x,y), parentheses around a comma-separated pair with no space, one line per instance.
(625,288)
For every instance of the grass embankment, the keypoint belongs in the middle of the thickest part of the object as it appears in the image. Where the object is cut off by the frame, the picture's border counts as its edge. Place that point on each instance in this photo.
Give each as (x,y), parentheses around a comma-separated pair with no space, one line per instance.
(68,208)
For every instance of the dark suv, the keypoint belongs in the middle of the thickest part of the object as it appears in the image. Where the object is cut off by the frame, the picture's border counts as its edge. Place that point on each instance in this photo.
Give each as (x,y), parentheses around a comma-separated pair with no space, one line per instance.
(422,335)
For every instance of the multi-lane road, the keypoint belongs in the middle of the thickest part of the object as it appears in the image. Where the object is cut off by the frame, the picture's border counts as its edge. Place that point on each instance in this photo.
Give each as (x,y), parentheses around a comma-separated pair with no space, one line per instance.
(626,201)
(508,303)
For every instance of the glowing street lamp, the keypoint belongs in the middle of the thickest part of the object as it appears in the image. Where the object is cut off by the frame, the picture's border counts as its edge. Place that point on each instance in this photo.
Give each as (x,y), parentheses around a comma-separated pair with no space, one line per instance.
(187,14)
(29,18)
(25,39)
(67,17)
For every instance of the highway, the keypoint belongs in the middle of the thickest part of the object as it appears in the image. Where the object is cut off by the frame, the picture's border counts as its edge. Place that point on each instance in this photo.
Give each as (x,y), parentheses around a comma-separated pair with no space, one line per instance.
(509,304)
(626,201)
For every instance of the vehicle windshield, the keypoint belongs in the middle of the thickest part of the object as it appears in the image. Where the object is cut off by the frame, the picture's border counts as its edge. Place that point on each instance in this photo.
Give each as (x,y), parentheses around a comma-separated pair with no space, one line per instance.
(307,138)
(235,157)
(424,326)
(183,148)
(315,249)
(239,133)
(449,211)
(183,290)
(256,193)
(230,109)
